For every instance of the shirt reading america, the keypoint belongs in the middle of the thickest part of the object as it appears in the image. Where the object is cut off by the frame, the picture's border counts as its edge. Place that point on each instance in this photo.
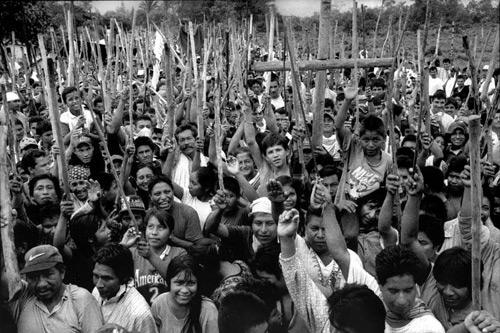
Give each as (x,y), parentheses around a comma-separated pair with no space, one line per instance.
(147,279)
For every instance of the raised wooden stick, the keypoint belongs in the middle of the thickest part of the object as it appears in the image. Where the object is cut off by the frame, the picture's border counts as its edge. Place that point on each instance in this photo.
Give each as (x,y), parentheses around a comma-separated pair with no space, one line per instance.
(9,130)
(320,65)
(130,70)
(320,86)
(6,219)
(491,68)
(475,160)
(485,42)
(472,67)
(387,36)
(436,51)
(71,56)
(48,68)
(272,21)
(355,56)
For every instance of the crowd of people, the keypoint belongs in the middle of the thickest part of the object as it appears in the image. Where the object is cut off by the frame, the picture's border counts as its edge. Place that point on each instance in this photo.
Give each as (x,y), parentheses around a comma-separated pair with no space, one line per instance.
(300,238)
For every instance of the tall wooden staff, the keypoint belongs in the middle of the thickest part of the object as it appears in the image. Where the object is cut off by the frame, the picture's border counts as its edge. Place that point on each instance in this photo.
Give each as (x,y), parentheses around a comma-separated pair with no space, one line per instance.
(387,36)
(71,56)
(472,67)
(355,55)
(199,115)
(130,70)
(9,131)
(493,60)
(272,21)
(320,86)
(49,73)
(485,42)
(475,160)
(217,123)
(436,51)
(6,219)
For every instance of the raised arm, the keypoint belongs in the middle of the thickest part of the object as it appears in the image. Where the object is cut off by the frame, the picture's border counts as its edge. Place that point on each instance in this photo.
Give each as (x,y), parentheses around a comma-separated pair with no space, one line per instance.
(410,220)
(321,199)
(235,139)
(350,94)
(212,224)
(269,114)
(388,233)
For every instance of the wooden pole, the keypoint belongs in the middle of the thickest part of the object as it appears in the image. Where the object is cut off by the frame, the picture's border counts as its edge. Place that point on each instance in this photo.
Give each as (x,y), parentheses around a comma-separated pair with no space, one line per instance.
(472,67)
(321,65)
(130,72)
(475,160)
(387,36)
(11,138)
(355,56)
(320,86)
(436,51)
(485,42)
(71,57)
(49,73)
(270,48)
(493,60)
(7,222)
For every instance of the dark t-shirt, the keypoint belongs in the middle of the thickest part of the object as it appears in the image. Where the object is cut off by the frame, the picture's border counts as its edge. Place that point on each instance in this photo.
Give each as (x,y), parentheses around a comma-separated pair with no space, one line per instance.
(187,223)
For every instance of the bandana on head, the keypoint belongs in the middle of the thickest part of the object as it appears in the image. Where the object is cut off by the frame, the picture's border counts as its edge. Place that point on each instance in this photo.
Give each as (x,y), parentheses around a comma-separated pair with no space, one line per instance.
(78,172)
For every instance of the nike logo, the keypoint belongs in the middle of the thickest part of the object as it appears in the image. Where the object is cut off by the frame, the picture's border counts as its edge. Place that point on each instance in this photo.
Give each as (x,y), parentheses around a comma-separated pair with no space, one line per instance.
(33,257)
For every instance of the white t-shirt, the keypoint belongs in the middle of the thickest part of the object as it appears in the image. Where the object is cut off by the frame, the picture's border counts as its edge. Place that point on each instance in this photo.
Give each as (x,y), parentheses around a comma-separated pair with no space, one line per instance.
(425,324)
(203,209)
(435,85)
(70,119)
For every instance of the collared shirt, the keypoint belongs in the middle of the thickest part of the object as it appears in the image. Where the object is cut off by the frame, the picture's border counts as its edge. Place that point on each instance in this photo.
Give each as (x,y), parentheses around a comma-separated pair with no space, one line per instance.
(128,309)
(77,312)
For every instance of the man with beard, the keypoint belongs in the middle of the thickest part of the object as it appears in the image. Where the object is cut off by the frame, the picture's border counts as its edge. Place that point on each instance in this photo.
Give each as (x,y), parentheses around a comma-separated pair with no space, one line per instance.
(44,303)
(455,187)
(189,157)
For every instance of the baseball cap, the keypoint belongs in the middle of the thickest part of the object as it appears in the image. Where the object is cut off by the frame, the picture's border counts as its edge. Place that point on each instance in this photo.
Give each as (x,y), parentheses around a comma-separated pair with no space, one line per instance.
(261,205)
(12,96)
(486,67)
(27,142)
(40,258)
(135,203)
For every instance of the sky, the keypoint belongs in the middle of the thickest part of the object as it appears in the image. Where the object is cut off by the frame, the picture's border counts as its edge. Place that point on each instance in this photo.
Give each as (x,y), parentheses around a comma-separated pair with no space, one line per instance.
(286,7)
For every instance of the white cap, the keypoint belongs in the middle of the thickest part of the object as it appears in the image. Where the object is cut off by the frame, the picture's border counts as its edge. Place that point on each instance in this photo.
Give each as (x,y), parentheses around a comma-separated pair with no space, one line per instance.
(261,205)
(486,67)
(12,96)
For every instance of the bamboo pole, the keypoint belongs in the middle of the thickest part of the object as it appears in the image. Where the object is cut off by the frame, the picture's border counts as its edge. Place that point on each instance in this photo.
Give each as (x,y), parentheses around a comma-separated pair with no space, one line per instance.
(199,115)
(6,218)
(130,70)
(333,40)
(485,42)
(270,48)
(71,56)
(320,65)
(475,160)
(472,67)
(355,55)
(319,90)
(11,138)
(217,128)
(436,51)
(13,75)
(387,36)
(48,68)
(493,60)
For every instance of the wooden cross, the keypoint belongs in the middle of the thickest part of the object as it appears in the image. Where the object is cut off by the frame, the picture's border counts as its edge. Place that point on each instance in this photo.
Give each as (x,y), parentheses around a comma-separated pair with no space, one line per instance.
(321,65)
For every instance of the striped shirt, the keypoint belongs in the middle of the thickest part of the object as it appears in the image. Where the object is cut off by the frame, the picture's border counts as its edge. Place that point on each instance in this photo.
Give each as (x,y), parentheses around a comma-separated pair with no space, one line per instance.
(127,309)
